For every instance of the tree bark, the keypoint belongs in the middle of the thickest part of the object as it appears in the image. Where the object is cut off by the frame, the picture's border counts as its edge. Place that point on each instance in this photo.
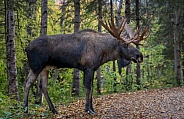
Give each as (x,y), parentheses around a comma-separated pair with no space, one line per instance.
(118,17)
(113,65)
(99,30)
(177,49)
(119,8)
(63,9)
(138,70)
(127,15)
(10,50)
(44,15)
(127,10)
(76,73)
(43,31)
(31,15)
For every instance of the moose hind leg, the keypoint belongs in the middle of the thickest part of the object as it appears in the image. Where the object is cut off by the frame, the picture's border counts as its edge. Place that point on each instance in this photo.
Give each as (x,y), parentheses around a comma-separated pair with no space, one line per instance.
(43,87)
(88,83)
(27,85)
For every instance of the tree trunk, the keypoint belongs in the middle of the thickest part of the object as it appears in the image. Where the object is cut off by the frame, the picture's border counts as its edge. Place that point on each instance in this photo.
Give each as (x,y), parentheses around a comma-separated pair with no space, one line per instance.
(128,71)
(10,50)
(31,15)
(127,15)
(127,10)
(138,72)
(77,15)
(119,8)
(113,65)
(63,9)
(99,30)
(43,31)
(118,17)
(44,14)
(177,49)
(76,73)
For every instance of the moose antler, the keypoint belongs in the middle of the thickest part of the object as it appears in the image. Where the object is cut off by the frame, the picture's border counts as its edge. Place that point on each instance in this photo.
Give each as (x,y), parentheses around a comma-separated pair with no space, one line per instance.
(112,29)
(133,37)
(141,37)
(116,31)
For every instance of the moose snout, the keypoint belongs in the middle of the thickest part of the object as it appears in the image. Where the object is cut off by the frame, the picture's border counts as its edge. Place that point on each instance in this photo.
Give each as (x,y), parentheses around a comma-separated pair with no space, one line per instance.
(139,58)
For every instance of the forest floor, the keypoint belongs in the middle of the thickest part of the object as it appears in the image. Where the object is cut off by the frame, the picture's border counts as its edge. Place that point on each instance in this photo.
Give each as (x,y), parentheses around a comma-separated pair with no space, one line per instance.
(147,104)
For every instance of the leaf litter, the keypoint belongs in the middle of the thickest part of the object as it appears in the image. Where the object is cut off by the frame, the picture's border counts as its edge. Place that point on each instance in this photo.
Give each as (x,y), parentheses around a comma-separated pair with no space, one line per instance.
(146,104)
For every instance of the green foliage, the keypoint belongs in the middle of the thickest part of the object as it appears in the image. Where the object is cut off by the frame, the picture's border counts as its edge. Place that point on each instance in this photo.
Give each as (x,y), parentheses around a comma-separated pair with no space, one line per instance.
(9,108)
(3,76)
(61,88)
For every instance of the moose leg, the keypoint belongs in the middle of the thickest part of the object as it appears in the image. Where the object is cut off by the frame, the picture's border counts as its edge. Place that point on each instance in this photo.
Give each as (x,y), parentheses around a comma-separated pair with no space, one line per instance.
(43,87)
(27,85)
(38,95)
(88,84)
(91,103)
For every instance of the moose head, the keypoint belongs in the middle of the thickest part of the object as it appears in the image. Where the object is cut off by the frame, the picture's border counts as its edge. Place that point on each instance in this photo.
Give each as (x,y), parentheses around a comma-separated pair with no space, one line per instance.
(129,53)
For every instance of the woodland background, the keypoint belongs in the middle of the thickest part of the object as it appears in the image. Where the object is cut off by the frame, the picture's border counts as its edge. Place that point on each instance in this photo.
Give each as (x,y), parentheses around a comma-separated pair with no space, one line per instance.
(21,22)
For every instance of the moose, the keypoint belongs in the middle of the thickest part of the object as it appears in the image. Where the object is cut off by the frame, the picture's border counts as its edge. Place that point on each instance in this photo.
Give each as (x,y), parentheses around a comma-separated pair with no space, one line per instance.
(85,50)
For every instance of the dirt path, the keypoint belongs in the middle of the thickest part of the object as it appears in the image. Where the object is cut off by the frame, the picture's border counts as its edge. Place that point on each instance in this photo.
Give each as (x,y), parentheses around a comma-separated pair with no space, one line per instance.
(154,104)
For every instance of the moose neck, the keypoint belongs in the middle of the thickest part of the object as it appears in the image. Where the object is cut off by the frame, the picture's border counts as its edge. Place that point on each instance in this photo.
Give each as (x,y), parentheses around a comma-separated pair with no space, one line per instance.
(112,52)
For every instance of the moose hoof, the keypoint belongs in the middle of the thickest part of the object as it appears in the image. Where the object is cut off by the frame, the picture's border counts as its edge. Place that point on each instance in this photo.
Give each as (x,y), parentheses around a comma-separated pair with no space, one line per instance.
(26,110)
(54,112)
(91,112)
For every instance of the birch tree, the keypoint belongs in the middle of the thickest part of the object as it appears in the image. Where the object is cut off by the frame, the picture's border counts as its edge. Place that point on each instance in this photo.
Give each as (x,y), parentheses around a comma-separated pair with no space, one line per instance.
(10,50)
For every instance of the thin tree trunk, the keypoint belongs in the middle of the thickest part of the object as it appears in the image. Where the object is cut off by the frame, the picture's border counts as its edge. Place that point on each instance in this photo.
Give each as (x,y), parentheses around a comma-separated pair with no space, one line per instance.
(127,10)
(177,50)
(44,15)
(77,15)
(31,16)
(114,67)
(127,15)
(114,64)
(119,8)
(138,72)
(43,31)
(10,50)
(117,22)
(76,73)
(63,9)
(99,30)
(128,71)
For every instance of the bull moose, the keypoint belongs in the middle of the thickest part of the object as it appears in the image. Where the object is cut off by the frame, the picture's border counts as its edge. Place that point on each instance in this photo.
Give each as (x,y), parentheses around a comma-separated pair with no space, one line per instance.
(85,50)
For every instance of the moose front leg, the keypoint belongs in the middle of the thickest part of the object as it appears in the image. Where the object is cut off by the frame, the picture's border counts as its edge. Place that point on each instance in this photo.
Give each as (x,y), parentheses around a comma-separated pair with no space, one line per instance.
(88,84)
